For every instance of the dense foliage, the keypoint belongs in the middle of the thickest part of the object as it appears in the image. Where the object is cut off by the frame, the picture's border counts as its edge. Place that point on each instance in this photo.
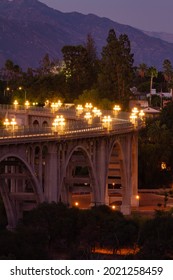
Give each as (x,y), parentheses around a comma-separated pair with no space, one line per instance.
(156,150)
(111,75)
(53,231)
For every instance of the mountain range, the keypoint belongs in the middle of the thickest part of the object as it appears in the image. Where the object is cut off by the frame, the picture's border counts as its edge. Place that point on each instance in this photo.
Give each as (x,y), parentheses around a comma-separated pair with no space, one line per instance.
(29,29)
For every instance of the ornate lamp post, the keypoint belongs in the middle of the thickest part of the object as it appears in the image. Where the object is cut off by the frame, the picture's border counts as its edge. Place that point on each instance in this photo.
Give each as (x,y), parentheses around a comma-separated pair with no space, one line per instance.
(116,109)
(27,104)
(141,114)
(133,118)
(7,89)
(55,106)
(6,122)
(59,123)
(97,112)
(88,117)
(107,120)
(79,110)
(11,123)
(88,106)
(15,103)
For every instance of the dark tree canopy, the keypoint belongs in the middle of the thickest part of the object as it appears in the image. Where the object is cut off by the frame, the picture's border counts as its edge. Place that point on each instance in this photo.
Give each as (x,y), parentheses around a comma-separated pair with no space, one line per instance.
(116,68)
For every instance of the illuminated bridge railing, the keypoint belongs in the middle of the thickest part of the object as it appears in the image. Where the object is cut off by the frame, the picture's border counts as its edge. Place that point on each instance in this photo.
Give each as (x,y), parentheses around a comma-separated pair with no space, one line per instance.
(74,131)
(43,111)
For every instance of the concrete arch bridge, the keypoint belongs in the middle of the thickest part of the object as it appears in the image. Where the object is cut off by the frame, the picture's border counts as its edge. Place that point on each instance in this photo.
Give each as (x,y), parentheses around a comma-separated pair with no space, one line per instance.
(45,166)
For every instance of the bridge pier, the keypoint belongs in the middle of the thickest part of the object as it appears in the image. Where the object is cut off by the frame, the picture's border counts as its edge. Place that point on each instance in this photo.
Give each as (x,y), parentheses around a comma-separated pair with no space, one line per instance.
(51,178)
(101,161)
(134,162)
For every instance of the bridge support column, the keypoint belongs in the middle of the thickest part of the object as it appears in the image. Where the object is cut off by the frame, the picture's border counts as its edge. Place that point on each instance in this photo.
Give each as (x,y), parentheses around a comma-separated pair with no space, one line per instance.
(134,197)
(126,178)
(51,176)
(101,195)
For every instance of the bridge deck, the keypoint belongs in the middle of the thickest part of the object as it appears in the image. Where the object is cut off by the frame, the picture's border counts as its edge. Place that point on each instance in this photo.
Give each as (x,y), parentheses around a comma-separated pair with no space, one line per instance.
(76,129)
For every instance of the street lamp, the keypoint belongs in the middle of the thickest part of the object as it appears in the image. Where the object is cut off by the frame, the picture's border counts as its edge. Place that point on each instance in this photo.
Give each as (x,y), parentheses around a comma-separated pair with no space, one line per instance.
(47,103)
(96,112)
(59,122)
(6,122)
(76,204)
(27,104)
(88,117)
(113,207)
(107,120)
(55,124)
(141,114)
(88,106)
(79,110)
(13,123)
(21,88)
(56,105)
(116,109)
(6,89)
(15,103)
(135,110)
(133,118)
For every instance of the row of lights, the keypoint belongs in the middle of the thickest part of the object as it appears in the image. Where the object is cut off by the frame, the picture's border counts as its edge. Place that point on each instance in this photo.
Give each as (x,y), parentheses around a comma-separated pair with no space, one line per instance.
(89,106)
(59,121)
(27,103)
(95,112)
(113,207)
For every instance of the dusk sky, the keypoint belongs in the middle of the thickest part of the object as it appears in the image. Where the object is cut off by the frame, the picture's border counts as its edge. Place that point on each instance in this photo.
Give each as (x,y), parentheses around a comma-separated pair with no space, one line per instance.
(149,15)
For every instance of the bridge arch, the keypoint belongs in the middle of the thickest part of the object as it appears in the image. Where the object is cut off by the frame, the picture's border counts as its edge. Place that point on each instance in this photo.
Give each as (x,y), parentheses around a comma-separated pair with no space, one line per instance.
(79,176)
(18,183)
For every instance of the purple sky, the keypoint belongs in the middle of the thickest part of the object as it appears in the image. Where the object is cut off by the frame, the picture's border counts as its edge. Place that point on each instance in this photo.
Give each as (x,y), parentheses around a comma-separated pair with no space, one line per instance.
(149,15)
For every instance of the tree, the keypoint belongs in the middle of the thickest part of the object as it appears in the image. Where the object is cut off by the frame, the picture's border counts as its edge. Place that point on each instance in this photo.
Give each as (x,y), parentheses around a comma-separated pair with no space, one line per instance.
(154,148)
(92,61)
(11,72)
(152,73)
(116,68)
(46,65)
(142,70)
(156,238)
(88,95)
(76,69)
(168,72)
(166,116)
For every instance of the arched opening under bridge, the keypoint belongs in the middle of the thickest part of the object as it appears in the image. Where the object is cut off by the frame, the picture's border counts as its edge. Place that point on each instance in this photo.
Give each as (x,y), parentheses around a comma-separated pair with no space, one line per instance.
(115,175)
(19,188)
(79,184)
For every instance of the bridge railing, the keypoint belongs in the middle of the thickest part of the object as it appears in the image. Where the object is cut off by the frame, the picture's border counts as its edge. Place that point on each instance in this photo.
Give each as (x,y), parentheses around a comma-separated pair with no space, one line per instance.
(17,109)
(62,110)
(71,130)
